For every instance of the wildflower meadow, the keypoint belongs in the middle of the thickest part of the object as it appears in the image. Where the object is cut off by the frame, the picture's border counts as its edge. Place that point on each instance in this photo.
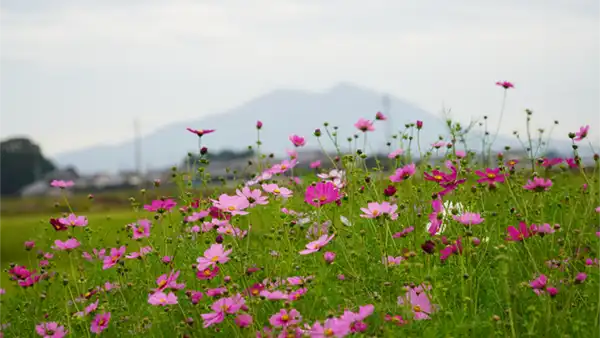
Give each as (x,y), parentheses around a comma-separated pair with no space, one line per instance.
(434,240)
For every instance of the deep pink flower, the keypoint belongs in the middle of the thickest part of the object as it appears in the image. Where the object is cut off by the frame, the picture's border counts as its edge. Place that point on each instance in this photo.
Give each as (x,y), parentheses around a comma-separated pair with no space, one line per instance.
(468,218)
(100,322)
(285,318)
(50,330)
(259,124)
(380,117)
(88,309)
(538,184)
(142,229)
(517,235)
(315,164)
(159,298)
(200,132)
(404,232)
(315,246)
(539,283)
(169,282)
(160,206)
(329,257)
(321,193)
(512,163)
(580,278)
(221,308)
(195,296)
(213,255)
(208,273)
(29,245)
(451,249)
(505,84)
(550,162)
(375,210)
(114,257)
(364,125)
(69,244)
(234,205)
(403,173)
(297,141)
(582,133)
(74,220)
(243,320)
(490,176)
(419,124)
(396,319)
(572,162)
(61,184)
(216,292)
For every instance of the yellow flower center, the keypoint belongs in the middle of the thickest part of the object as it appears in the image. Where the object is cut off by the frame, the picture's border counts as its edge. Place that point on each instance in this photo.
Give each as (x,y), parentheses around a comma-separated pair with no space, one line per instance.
(162,283)
(224,307)
(283,167)
(231,208)
(87,295)
(255,292)
(491,175)
(375,212)
(215,259)
(207,272)
(277,191)
(417,308)
(328,332)
(140,230)
(162,300)
(438,177)
(228,231)
(285,318)
(322,198)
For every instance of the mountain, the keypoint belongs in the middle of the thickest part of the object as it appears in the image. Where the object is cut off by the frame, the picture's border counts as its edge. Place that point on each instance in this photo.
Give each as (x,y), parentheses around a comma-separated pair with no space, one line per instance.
(283,112)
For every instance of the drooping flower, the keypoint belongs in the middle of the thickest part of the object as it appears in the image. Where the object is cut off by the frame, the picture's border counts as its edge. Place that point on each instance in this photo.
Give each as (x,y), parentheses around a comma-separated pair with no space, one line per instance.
(364,125)
(74,220)
(234,205)
(403,173)
(213,255)
(582,133)
(200,132)
(542,229)
(100,322)
(141,229)
(468,218)
(396,154)
(68,245)
(538,184)
(159,298)
(297,141)
(321,193)
(380,117)
(315,246)
(517,235)
(50,330)
(490,176)
(375,210)
(505,84)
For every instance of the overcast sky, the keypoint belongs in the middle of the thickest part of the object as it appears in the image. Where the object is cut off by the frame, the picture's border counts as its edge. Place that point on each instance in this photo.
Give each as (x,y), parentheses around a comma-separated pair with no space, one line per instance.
(77,73)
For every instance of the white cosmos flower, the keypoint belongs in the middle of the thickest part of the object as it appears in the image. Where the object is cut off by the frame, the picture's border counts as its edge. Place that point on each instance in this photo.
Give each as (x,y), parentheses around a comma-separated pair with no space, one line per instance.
(447,210)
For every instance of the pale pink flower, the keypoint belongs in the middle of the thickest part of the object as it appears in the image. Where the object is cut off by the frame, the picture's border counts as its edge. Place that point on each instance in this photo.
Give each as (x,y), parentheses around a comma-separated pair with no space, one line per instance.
(139,254)
(280,168)
(277,190)
(50,330)
(538,184)
(61,184)
(375,210)
(215,254)
(221,308)
(74,221)
(243,320)
(293,154)
(315,246)
(254,197)
(232,204)
(391,260)
(88,309)
(469,218)
(142,229)
(364,125)
(69,244)
(161,299)
(315,164)
(396,153)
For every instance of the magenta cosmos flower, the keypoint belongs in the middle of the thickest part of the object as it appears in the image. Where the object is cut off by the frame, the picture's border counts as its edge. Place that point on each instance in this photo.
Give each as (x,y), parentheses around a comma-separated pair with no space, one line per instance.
(374,210)
(114,257)
(297,141)
(234,205)
(100,322)
(380,117)
(285,318)
(582,133)
(61,184)
(321,193)
(355,320)
(69,244)
(403,173)
(315,246)
(221,308)
(160,205)
(517,235)
(169,282)
(50,330)
(74,220)
(469,218)
(161,299)
(538,184)
(142,229)
(213,255)
(490,176)
(505,84)
(200,132)
(364,125)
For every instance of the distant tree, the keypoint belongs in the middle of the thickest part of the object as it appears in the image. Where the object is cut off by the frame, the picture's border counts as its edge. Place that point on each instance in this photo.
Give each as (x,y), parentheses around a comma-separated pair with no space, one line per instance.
(21,163)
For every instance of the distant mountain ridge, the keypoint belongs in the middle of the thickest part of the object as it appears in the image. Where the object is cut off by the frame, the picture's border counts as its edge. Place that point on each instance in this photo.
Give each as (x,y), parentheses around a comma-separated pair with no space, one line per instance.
(283,112)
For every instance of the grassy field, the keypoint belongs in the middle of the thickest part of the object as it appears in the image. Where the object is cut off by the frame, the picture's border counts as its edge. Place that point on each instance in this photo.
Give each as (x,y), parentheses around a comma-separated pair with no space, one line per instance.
(450,251)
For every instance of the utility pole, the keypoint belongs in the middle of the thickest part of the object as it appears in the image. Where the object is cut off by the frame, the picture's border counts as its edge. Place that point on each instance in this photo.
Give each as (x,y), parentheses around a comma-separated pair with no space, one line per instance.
(386,107)
(137,148)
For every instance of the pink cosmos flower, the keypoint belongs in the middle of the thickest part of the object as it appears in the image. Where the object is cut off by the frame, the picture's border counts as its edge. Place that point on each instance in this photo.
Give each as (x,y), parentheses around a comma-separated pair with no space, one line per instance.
(517,235)
(69,244)
(329,257)
(439,144)
(461,154)
(542,229)
(297,141)
(254,197)
(315,246)
(61,184)
(234,205)
(321,193)
(455,248)
(196,216)
(419,124)
(195,296)
(160,206)
(572,162)
(550,162)
(375,210)
(280,168)
(216,292)
(221,308)
(208,273)
(29,245)
(490,176)
(74,221)
(229,229)
(403,173)
(277,190)
(200,132)
(333,327)
(380,117)
(213,255)
(391,260)
(169,282)
(468,218)
(88,309)
(419,303)
(315,164)
(50,330)
(505,84)
(355,320)
(285,318)
(142,229)
(538,184)
(114,257)
(582,133)
(512,163)
(395,319)
(161,299)
(100,322)
(139,254)
(396,154)
(293,154)
(364,125)
(243,320)
(580,278)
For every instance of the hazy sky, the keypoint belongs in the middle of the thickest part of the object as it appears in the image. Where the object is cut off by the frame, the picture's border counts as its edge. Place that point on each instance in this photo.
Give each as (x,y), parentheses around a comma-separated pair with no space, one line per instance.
(77,73)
